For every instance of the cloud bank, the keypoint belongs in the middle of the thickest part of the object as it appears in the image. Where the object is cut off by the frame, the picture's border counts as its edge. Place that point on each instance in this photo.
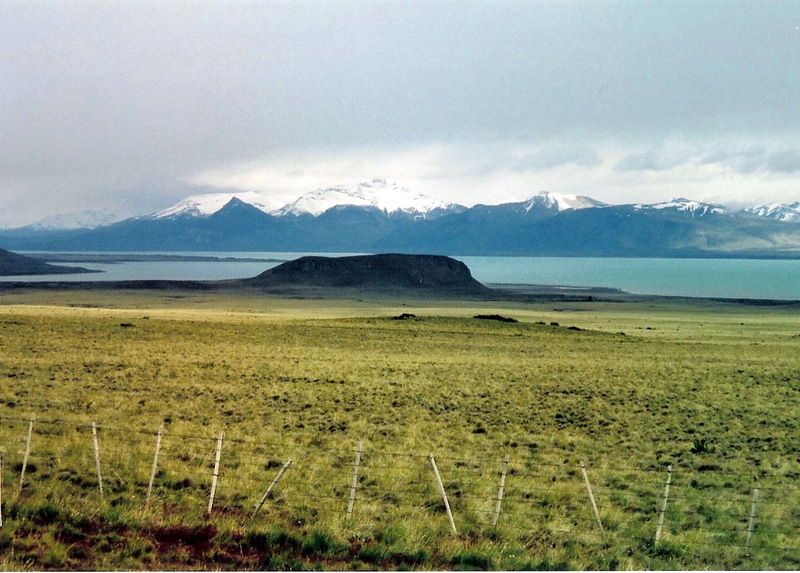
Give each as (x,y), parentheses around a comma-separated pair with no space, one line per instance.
(132,104)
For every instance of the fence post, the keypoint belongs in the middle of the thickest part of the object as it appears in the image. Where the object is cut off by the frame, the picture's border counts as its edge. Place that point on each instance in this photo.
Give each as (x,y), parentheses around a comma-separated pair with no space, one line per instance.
(500,492)
(216,472)
(354,483)
(97,460)
(25,457)
(591,498)
(155,464)
(1,486)
(444,495)
(752,521)
(664,504)
(271,486)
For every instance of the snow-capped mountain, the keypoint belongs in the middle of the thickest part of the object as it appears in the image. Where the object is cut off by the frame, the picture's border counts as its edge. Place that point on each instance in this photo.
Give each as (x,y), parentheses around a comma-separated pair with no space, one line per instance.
(89,219)
(779,211)
(556,202)
(688,206)
(378,193)
(210,203)
(386,196)
(378,216)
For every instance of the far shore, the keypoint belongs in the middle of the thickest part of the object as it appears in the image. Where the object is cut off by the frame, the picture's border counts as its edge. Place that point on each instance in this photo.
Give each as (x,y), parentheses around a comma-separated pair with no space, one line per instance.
(114,258)
(498,293)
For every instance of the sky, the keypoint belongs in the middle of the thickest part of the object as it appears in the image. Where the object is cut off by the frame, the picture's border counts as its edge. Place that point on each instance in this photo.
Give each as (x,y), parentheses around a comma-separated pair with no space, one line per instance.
(131,105)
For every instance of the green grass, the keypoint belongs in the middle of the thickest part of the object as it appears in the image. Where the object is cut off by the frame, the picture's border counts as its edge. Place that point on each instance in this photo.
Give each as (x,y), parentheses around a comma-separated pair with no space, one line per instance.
(710,388)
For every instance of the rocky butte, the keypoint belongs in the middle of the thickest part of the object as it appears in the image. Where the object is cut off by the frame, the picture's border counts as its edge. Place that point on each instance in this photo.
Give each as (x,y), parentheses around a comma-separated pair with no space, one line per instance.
(432,273)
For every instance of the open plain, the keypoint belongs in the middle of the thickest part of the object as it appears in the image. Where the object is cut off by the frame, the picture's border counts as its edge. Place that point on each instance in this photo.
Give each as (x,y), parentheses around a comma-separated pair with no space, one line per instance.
(628,388)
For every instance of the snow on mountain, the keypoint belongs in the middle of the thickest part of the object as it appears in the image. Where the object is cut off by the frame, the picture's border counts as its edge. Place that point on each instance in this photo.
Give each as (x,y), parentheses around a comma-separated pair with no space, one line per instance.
(558,202)
(89,219)
(210,203)
(779,211)
(693,208)
(388,197)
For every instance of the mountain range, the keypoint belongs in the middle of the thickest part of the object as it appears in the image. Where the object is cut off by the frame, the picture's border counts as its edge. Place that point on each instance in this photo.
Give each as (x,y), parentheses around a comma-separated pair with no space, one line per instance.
(378,216)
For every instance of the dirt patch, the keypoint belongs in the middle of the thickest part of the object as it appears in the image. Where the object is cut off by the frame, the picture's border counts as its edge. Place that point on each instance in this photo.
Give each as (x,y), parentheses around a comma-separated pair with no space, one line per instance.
(195,538)
(496,317)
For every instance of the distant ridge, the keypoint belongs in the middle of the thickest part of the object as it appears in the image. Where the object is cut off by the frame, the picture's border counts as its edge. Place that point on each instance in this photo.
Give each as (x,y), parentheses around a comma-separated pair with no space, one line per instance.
(382,217)
(14,264)
(787,213)
(384,271)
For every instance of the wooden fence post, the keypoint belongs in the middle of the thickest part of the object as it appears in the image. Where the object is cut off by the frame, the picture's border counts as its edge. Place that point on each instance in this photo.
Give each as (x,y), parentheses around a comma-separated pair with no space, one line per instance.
(269,489)
(500,492)
(591,498)
(664,504)
(752,521)
(444,495)
(1,487)
(97,459)
(216,472)
(354,483)
(155,464)
(25,457)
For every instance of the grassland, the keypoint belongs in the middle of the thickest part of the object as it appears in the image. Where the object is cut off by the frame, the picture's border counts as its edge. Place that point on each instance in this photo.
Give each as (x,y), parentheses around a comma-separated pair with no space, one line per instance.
(628,388)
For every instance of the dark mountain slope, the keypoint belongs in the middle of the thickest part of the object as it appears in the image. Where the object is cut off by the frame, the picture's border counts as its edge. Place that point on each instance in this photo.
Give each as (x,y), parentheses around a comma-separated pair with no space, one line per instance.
(509,229)
(502,230)
(616,231)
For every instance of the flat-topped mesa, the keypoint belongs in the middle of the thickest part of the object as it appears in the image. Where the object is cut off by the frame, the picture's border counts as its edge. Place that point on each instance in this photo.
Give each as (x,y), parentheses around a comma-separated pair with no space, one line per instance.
(385,271)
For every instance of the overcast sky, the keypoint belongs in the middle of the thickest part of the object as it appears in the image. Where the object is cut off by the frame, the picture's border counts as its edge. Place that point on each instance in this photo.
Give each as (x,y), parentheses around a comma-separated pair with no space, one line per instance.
(131,105)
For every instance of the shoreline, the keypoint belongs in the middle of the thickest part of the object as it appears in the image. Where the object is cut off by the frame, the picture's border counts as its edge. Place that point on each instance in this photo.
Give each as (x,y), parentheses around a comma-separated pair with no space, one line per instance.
(112,259)
(499,292)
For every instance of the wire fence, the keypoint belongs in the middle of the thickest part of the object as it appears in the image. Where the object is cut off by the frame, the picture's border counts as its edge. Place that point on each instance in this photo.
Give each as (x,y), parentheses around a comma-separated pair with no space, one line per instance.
(518,494)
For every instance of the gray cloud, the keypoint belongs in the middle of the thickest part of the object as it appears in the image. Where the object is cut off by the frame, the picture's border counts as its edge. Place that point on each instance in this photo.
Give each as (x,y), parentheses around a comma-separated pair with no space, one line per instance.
(550,157)
(754,159)
(784,162)
(657,159)
(742,159)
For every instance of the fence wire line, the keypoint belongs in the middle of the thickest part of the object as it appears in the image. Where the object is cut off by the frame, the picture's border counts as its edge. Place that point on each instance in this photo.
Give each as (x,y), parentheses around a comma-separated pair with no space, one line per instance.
(472,459)
(249,464)
(366,454)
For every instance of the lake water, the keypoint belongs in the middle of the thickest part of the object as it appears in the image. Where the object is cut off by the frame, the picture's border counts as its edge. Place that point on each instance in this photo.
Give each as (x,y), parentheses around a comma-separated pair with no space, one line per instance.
(726,278)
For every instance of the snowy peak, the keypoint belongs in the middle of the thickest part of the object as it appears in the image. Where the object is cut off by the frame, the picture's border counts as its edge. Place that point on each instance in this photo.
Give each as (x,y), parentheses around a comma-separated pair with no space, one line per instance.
(90,219)
(210,203)
(388,197)
(556,202)
(688,206)
(779,211)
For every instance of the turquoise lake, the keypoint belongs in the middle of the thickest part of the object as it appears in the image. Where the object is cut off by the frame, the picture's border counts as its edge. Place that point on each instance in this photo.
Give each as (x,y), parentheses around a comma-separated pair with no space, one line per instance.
(725,278)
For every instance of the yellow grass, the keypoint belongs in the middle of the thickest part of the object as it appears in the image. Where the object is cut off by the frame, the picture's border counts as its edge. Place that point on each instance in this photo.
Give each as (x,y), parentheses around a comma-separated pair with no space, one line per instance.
(708,387)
